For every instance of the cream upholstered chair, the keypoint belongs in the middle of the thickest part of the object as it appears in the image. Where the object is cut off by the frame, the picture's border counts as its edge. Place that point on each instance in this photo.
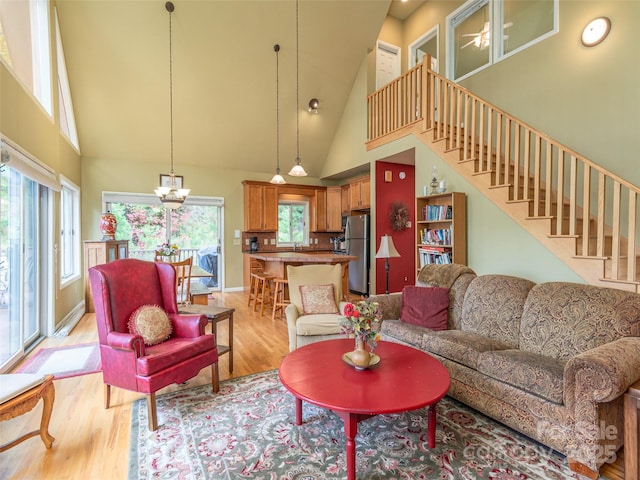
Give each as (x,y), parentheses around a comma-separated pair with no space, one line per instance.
(314,296)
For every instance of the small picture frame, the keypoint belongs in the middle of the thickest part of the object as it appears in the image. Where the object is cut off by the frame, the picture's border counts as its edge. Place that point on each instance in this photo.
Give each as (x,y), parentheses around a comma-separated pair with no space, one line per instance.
(165,180)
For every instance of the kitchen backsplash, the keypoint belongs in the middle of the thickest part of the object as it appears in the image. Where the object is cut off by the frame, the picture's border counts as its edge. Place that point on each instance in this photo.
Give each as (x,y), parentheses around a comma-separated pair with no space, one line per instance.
(319,241)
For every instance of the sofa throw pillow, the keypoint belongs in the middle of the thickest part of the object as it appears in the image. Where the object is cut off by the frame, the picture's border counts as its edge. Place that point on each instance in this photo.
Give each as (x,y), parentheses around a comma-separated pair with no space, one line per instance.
(318,299)
(151,323)
(425,306)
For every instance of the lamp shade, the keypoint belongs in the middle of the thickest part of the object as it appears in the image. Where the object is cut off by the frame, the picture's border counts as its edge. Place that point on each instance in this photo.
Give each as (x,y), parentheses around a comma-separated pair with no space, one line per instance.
(387,248)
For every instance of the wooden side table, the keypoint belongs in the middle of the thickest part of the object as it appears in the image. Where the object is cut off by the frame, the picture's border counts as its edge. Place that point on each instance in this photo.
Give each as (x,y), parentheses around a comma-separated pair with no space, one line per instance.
(25,402)
(631,427)
(216,314)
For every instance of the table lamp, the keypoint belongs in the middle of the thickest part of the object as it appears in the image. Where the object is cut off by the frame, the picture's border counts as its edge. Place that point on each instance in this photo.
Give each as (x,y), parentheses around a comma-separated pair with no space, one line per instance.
(387,250)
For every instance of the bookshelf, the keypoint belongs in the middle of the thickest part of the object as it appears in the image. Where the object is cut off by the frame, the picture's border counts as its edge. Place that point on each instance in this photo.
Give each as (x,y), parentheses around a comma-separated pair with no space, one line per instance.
(441,229)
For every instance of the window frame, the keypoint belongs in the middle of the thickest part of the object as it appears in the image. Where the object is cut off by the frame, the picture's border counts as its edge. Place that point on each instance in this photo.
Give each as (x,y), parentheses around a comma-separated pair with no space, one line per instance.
(66,115)
(40,85)
(496,48)
(306,234)
(69,243)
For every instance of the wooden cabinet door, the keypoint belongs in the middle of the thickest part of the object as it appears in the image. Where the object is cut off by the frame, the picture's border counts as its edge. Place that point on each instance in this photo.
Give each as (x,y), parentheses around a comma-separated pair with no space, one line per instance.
(345,199)
(270,209)
(354,195)
(319,223)
(253,208)
(260,208)
(334,209)
(365,193)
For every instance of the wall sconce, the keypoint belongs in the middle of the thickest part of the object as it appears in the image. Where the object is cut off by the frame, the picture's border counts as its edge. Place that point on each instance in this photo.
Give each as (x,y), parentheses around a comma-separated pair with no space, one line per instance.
(596,31)
(313,105)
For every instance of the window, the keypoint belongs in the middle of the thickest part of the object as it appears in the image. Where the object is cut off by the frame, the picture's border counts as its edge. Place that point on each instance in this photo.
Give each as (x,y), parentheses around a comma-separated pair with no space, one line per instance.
(65,107)
(483,32)
(196,228)
(69,232)
(25,46)
(293,221)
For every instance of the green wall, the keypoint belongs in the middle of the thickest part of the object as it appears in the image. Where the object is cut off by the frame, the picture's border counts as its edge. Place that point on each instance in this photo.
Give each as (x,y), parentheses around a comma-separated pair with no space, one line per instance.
(103,174)
(24,122)
(583,97)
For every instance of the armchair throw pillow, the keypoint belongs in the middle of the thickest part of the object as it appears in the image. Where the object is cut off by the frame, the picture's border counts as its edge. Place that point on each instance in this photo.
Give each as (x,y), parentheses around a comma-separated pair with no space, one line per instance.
(151,323)
(425,306)
(318,299)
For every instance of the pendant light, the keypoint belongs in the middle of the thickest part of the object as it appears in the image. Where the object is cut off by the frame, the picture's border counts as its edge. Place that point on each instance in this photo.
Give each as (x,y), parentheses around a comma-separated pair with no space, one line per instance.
(297,170)
(170,192)
(277,178)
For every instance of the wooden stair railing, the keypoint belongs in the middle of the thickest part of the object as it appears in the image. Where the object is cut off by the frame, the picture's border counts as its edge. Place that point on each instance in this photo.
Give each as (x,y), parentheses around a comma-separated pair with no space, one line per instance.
(555,184)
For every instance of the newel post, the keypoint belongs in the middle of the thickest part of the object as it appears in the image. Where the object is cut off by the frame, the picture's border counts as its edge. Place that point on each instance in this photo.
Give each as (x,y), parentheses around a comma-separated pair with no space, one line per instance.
(427,78)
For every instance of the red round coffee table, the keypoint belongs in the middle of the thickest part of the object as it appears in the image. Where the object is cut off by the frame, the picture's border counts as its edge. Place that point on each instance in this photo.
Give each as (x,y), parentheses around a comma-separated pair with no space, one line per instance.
(405,379)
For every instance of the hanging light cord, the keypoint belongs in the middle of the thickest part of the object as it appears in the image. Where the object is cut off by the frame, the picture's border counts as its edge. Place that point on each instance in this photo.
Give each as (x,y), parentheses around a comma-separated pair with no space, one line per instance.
(297,90)
(277,49)
(170,7)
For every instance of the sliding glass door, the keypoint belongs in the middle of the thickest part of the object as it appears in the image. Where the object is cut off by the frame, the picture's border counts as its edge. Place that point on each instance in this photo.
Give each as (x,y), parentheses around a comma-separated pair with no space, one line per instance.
(196,228)
(23,263)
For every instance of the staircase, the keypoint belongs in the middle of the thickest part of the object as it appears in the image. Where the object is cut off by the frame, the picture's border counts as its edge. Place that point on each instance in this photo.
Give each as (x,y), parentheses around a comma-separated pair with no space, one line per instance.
(584,214)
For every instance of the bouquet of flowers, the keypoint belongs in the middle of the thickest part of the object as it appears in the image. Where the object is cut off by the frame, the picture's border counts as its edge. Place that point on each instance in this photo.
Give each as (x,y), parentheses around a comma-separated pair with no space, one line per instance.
(166,250)
(363,320)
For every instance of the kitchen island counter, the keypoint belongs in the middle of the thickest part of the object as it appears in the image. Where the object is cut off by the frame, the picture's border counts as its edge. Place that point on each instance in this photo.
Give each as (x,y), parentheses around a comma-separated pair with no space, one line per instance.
(276,262)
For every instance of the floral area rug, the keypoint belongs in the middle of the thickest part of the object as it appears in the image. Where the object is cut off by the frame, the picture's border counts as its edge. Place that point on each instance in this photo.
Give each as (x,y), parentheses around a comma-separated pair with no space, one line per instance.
(248,431)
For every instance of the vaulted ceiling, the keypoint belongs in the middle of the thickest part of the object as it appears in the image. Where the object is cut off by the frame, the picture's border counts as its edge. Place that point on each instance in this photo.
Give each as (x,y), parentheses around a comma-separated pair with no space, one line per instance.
(224,77)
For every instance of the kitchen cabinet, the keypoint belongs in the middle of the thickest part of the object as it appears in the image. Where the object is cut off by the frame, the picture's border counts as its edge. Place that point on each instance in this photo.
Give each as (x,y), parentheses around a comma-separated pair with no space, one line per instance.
(99,252)
(345,200)
(334,209)
(327,211)
(260,208)
(319,213)
(360,193)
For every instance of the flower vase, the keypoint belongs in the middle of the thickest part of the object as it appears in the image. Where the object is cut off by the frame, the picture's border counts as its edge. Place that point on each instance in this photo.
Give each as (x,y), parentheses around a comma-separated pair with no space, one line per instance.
(360,357)
(108,225)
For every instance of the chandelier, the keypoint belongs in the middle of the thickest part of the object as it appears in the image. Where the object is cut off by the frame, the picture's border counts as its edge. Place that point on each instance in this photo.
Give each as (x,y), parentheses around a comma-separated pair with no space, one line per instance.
(170,191)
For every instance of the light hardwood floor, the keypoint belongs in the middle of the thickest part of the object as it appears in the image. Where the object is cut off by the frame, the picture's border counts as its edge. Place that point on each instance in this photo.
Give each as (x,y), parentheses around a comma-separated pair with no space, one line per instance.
(93,443)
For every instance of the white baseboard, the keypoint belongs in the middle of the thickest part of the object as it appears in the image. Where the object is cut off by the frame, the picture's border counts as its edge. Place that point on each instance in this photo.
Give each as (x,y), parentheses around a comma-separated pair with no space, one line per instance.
(70,321)
(234,289)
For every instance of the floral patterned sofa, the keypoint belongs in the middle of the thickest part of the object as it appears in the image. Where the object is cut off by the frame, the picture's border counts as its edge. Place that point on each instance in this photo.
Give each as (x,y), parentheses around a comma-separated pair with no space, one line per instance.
(550,360)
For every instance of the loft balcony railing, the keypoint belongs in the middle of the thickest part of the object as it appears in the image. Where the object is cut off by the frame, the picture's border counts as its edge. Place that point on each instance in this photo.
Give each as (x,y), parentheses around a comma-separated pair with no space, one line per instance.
(583,200)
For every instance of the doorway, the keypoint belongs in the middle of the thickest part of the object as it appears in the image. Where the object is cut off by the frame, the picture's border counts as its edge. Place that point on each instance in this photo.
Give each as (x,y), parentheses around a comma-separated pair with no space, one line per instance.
(429,43)
(387,63)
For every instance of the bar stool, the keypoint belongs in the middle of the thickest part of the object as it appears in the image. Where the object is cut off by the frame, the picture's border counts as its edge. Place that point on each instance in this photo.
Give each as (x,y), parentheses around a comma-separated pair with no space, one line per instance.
(252,286)
(262,290)
(279,300)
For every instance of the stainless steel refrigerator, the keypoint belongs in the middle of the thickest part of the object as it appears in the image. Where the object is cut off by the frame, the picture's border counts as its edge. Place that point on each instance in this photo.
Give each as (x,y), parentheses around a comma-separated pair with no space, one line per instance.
(357,240)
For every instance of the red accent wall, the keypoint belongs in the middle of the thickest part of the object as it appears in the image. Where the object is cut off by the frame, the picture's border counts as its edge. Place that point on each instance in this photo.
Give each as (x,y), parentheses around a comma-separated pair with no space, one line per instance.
(387,193)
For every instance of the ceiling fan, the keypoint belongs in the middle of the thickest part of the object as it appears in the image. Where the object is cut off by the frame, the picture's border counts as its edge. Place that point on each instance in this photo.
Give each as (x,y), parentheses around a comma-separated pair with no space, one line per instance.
(482,39)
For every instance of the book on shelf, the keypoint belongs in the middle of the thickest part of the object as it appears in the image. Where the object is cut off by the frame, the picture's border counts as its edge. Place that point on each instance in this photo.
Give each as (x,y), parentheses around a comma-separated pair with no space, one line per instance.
(427,258)
(436,236)
(435,249)
(437,212)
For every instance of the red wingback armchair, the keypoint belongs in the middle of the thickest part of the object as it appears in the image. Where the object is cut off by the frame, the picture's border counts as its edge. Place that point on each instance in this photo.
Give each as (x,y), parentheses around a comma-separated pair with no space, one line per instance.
(119,288)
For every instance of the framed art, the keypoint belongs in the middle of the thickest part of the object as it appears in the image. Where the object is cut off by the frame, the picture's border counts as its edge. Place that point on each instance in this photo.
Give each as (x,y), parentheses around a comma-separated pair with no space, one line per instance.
(165,180)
